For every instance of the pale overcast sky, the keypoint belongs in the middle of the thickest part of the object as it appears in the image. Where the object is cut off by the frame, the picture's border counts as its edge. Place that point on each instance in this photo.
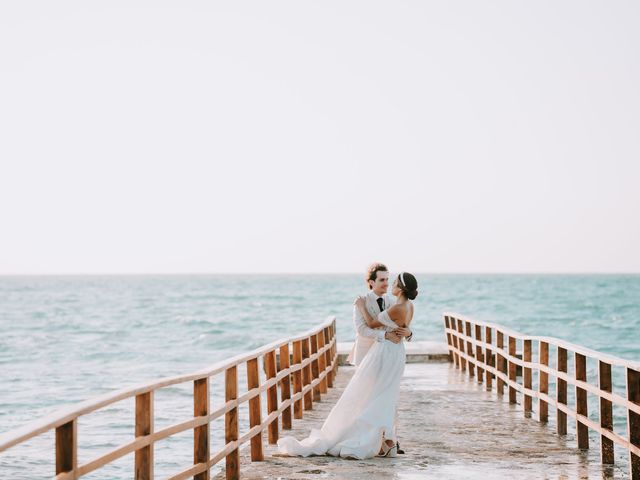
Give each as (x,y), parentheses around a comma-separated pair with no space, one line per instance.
(318,136)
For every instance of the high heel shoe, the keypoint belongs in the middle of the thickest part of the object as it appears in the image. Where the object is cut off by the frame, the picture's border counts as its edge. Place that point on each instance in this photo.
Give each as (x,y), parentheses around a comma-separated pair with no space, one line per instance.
(388,451)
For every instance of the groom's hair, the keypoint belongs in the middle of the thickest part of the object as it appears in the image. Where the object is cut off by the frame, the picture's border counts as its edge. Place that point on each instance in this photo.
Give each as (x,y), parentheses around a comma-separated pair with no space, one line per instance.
(372,272)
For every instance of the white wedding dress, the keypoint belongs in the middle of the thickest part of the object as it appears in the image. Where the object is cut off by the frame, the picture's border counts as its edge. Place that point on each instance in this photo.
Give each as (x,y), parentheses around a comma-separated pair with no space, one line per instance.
(366,410)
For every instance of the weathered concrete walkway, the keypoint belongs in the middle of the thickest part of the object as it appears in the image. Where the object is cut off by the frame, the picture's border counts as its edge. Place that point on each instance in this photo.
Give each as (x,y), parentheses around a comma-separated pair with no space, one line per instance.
(450,428)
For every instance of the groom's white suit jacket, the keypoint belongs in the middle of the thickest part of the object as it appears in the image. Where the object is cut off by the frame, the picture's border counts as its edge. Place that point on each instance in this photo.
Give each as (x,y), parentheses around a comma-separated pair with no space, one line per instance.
(365,335)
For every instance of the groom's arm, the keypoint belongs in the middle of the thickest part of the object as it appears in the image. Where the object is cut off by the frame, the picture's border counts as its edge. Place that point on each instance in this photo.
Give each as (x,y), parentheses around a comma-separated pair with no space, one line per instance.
(405,332)
(363,329)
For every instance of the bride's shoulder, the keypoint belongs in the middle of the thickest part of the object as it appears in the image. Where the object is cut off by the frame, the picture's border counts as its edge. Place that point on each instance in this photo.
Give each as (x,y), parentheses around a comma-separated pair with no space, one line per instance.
(397,308)
(400,306)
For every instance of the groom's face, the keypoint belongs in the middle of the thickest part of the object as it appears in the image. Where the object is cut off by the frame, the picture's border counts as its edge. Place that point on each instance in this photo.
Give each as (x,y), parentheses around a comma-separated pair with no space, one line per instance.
(380,284)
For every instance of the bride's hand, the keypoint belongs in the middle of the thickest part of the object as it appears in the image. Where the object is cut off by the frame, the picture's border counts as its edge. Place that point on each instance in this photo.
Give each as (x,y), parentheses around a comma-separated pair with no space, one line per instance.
(359,302)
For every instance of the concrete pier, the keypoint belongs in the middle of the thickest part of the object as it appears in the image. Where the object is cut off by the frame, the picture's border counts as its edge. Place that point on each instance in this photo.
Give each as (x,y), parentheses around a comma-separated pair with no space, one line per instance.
(451,428)
(417,352)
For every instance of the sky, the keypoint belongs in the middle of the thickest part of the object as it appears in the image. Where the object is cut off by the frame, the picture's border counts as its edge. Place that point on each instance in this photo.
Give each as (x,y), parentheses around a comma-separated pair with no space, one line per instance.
(306,136)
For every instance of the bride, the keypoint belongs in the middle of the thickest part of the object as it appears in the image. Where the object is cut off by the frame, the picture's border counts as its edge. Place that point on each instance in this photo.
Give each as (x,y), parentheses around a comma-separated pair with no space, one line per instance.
(361,424)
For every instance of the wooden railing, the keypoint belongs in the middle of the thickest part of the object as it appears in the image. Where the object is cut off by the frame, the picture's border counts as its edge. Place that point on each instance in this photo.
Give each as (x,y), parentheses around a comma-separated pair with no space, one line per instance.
(489,352)
(313,370)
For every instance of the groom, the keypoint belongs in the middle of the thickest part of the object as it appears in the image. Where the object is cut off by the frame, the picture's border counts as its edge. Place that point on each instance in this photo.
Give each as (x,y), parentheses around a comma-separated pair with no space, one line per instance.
(376,300)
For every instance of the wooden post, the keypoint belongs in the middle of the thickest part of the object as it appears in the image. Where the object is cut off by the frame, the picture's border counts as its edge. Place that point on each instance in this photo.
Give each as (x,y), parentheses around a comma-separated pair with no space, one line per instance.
(500,361)
(201,433)
(334,352)
(489,357)
(472,369)
(328,358)
(322,362)
(543,382)
(315,368)
(463,361)
(606,412)
(272,394)
(479,355)
(449,340)
(285,386)
(255,414)
(561,391)
(297,378)
(306,375)
(527,376)
(456,345)
(143,463)
(231,423)
(581,401)
(335,346)
(512,370)
(633,421)
(67,447)
(446,325)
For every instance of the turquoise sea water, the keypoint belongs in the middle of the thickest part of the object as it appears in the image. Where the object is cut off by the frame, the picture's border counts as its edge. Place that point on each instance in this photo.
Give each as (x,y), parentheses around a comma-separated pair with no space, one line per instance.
(66,339)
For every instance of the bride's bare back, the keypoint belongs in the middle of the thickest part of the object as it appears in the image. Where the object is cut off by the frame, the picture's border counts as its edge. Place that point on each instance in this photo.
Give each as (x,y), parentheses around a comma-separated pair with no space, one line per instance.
(401,313)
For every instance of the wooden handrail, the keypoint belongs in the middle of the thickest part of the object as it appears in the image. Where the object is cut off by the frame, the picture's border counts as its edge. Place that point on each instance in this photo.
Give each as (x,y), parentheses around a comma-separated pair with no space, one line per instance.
(318,365)
(612,360)
(495,357)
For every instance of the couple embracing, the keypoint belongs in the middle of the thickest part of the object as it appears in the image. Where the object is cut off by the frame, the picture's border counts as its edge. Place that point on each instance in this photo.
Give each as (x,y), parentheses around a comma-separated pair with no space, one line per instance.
(362,424)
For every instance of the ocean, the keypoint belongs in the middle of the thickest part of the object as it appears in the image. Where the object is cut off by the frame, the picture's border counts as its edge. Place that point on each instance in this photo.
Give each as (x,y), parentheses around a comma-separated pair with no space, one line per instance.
(64,339)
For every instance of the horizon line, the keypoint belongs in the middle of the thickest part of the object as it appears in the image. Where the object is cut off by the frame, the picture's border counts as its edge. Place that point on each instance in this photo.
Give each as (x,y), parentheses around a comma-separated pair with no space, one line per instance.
(106,274)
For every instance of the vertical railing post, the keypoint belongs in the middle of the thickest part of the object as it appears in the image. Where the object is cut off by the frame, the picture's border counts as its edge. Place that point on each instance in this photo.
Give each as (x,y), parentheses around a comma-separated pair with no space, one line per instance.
(463,361)
(454,339)
(144,426)
(445,319)
(297,378)
(469,348)
(633,421)
(334,336)
(231,423)
(561,391)
(479,355)
(272,394)
(201,433)
(67,447)
(606,412)
(512,369)
(452,357)
(285,386)
(581,401)
(255,414)
(306,375)
(328,357)
(489,356)
(315,368)
(501,364)
(335,346)
(543,382)
(527,375)
(322,362)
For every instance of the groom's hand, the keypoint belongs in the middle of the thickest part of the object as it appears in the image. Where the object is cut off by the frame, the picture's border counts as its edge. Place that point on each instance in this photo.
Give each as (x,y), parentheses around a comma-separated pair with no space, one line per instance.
(392,337)
(402,332)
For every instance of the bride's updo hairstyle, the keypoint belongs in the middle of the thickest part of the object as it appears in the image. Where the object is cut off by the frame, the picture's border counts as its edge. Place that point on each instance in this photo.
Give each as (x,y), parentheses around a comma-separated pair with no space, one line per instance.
(408,284)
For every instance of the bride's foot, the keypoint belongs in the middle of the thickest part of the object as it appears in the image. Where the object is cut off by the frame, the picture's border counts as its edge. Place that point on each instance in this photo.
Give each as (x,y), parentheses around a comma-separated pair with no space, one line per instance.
(388,449)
